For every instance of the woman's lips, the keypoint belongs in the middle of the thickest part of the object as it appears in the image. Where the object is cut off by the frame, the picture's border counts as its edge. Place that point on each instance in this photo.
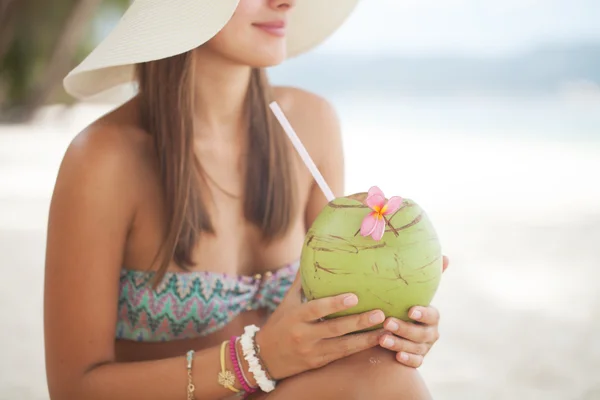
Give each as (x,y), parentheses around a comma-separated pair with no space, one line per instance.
(275,28)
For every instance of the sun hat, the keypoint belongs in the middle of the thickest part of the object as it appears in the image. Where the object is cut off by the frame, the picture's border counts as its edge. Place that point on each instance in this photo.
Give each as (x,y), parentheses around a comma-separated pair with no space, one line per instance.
(155,29)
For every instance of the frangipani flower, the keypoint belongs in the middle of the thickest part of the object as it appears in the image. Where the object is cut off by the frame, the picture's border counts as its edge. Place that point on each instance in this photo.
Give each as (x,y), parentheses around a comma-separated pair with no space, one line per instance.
(374,224)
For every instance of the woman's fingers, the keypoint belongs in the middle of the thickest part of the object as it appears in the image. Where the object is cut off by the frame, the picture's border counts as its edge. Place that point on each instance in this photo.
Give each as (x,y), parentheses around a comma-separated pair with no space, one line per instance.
(320,308)
(397,344)
(445,263)
(352,323)
(336,348)
(410,360)
(425,315)
(294,294)
(411,331)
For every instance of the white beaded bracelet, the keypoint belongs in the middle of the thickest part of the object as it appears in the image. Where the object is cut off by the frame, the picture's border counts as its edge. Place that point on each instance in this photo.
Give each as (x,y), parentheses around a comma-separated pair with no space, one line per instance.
(247,340)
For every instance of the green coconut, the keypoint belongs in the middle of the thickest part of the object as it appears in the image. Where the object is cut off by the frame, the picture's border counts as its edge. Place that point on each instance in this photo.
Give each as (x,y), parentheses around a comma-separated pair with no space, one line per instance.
(400,271)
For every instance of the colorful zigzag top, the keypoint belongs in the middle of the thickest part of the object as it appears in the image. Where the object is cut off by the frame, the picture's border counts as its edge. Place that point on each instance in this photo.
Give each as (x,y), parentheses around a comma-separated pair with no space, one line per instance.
(193,304)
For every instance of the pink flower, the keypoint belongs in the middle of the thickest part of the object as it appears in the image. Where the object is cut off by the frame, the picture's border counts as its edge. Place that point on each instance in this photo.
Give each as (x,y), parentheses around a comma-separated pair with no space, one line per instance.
(374,224)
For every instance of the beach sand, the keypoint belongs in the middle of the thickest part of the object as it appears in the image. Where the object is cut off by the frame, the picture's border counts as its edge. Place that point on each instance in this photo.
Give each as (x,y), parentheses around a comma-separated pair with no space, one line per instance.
(520,221)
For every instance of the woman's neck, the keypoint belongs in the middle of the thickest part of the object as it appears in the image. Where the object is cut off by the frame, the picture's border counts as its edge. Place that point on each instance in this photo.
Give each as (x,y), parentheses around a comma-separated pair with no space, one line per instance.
(221,89)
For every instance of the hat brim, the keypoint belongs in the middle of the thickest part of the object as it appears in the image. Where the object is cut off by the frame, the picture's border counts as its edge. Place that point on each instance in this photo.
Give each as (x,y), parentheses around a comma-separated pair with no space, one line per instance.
(156,29)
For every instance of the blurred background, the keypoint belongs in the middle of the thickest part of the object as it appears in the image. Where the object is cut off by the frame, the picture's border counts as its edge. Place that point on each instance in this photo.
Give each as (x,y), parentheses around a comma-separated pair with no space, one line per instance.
(486,112)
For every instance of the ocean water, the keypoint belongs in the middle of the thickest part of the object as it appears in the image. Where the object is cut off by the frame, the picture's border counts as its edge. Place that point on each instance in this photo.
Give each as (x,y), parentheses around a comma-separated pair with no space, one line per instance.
(548,118)
(479,151)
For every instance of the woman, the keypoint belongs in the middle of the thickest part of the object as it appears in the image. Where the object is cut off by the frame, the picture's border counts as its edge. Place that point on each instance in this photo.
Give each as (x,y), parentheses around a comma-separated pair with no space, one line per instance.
(177,221)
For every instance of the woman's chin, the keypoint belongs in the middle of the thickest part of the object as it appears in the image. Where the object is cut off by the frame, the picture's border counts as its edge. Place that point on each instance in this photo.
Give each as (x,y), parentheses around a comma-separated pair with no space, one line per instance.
(263,56)
(265,61)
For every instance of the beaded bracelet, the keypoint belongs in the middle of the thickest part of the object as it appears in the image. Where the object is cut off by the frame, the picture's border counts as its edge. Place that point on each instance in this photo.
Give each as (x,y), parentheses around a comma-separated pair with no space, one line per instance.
(237,367)
(266,385)
(239,361)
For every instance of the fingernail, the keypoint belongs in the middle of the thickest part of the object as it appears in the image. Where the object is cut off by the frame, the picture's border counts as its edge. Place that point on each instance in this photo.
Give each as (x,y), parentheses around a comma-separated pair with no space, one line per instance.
(416,314)
(350,300)
(404,356)
(376,317)
(388,342)
(392,326)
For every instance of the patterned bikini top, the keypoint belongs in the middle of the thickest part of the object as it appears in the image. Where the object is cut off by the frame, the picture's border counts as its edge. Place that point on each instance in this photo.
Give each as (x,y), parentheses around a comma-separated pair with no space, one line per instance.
(193,304)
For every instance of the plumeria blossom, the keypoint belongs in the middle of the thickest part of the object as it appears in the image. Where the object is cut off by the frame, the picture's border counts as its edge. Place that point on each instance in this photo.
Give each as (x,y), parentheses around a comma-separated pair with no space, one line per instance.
(374,224)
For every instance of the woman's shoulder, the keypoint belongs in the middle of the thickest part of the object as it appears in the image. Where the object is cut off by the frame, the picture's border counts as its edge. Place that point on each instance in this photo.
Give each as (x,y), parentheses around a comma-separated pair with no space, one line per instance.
(114,139)
(118,132)
(313,117)
(108,156)
(300,103)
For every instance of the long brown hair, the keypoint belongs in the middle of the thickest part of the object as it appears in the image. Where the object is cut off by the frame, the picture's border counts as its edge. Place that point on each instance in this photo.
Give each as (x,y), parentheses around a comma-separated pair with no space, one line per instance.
(166,101)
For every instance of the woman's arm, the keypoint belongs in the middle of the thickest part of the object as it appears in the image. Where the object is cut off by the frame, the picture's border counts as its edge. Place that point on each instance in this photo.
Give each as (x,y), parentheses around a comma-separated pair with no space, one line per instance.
(91,213)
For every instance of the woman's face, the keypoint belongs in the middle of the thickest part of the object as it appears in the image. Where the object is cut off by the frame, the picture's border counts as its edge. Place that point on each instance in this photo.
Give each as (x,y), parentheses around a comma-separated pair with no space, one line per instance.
(256,34)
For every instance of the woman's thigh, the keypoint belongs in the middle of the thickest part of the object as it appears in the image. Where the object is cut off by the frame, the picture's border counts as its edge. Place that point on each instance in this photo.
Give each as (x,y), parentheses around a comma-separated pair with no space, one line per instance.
(370,375)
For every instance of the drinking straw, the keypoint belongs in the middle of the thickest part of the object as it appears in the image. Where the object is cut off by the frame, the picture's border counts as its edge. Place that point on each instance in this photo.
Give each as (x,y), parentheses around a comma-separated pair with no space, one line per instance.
(302,151)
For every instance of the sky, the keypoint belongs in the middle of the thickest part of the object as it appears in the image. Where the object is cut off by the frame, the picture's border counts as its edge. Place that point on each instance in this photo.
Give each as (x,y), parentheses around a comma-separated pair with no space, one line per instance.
(465,26)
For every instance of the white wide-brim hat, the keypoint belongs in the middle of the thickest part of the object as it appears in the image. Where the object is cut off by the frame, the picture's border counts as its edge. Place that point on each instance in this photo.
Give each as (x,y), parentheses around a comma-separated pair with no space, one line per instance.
(156,29)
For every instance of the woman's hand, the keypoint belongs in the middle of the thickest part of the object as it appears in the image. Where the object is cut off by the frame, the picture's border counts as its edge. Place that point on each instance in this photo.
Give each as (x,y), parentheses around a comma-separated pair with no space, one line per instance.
(294,339)
(413,340)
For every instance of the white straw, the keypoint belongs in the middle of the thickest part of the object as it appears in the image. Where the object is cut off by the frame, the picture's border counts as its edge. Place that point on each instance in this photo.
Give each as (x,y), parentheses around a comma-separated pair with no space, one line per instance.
(302,151)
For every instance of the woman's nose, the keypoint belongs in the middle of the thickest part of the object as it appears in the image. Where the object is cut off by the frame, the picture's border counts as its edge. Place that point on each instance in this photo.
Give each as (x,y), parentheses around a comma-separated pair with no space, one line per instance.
(283,5)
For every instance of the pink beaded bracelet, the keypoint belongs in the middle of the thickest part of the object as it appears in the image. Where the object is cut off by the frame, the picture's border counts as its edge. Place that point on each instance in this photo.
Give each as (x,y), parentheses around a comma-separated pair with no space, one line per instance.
(237,367)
